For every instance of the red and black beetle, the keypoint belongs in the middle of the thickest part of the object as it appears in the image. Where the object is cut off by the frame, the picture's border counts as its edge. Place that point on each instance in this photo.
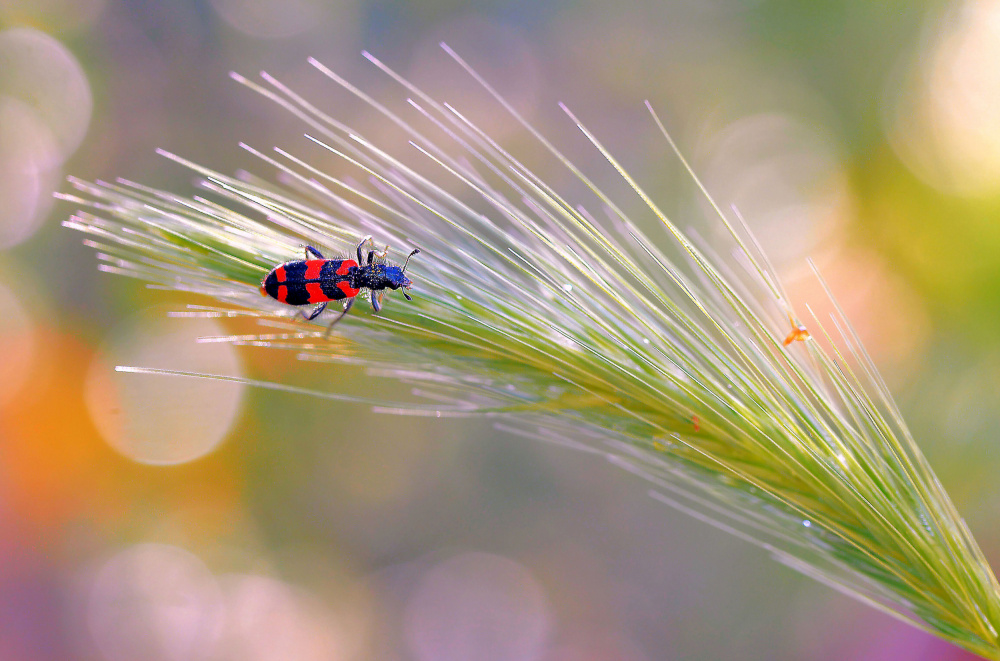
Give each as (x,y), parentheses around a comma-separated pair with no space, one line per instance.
(320,280)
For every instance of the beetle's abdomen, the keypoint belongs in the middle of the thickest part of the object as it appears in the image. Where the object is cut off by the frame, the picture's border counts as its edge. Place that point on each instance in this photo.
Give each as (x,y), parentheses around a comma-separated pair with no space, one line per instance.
(310,281)
(287,283)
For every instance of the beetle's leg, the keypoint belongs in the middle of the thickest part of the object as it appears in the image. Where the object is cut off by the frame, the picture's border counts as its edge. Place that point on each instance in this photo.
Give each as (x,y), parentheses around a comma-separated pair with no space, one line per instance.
(363,242)
(310,249)
(340,316)
(318,310)
(377,300)
(377,253)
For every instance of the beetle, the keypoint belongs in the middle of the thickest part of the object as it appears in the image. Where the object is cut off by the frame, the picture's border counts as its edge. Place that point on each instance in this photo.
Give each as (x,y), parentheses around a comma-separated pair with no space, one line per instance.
(321,280)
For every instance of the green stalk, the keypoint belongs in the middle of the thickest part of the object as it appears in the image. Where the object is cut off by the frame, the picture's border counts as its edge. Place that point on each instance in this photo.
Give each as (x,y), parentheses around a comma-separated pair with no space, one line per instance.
(647,349)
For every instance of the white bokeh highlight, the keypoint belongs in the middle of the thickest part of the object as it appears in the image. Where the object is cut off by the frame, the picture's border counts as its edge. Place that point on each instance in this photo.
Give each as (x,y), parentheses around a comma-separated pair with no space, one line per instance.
(784,177)
(270,620)
(157,603)
(45,109)
(42,72)
(155,419)
(946,125)
(28,149)
(477,606)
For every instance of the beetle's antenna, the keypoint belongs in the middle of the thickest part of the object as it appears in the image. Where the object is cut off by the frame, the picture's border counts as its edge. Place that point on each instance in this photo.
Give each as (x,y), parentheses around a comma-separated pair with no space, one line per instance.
(415,251)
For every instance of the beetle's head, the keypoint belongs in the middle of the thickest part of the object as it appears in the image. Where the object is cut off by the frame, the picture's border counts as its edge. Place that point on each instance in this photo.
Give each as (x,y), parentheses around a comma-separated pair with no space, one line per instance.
(396,279)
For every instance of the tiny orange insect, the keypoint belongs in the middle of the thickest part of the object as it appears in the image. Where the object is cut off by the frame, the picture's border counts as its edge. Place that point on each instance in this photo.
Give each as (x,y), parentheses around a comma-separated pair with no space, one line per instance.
(799,333)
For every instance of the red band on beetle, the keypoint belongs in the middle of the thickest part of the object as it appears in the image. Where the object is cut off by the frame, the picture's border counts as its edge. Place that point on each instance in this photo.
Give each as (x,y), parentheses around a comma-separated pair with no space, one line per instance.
(282,293)
(316,294)
(349,291)
(347,263)
(313,268)
(279,273)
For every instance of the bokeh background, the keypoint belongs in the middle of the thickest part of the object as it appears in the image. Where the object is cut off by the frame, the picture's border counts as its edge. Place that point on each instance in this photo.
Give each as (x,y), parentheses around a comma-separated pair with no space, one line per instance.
(157,518)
